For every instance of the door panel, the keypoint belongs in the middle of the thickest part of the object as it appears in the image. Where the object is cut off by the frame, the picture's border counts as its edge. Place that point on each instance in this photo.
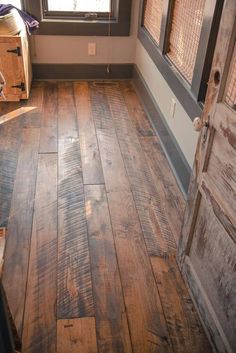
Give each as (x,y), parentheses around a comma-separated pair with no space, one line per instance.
(214,261)
(207,249)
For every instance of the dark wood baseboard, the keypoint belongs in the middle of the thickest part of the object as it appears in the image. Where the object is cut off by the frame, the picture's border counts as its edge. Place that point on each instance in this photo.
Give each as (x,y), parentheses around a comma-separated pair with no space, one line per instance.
(173,152)
(82,71)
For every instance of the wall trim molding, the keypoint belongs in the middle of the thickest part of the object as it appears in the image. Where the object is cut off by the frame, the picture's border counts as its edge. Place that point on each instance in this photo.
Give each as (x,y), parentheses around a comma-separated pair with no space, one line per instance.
(81,71)
(175,156)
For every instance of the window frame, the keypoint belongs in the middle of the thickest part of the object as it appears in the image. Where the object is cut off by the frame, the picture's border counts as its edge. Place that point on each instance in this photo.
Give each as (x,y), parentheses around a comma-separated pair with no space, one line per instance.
(78,15)
(191,95)
(117,25)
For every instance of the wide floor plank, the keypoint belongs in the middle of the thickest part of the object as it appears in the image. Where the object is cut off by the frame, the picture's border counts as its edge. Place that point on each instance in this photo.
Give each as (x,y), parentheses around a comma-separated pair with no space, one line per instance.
(20,225)
(76,336)
(91,162)
(111,320)
(39,333)
(48,136)
(147,323)
(75,297)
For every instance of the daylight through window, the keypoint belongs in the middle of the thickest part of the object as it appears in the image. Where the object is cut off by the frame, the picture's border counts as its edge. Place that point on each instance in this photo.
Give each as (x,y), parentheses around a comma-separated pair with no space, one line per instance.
(16,3)
(80,5)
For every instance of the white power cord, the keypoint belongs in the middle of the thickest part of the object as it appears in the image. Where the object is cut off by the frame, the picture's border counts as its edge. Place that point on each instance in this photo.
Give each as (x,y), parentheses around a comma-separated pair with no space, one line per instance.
(2,84)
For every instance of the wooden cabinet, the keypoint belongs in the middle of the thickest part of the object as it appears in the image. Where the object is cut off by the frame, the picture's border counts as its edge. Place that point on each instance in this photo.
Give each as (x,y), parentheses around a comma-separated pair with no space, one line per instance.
(15,66)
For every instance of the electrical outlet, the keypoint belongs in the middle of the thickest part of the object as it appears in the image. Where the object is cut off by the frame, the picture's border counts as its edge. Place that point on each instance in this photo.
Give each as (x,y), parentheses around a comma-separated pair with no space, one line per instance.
(91,48)
(172,108)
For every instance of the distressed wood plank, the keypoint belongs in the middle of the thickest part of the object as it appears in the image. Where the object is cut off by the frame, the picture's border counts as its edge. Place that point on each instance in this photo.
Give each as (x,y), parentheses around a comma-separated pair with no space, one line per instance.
(91,163)
(19,226)
(76,336)
(146,320)
(111,320)
(172,198)
(152,198)
(48,135)
(185,329)
(74,276)
(34,106)
(39,332)
(136,112)
(10,139)
(148,194)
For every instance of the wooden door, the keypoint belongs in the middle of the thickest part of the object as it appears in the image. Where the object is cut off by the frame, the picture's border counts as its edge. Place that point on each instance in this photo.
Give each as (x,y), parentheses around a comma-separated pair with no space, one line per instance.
(11,66)
(207,249)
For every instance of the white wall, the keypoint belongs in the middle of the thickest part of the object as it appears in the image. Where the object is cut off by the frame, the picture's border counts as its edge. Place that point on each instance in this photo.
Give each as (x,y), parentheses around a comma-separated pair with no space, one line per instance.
(74,49)
(181,125)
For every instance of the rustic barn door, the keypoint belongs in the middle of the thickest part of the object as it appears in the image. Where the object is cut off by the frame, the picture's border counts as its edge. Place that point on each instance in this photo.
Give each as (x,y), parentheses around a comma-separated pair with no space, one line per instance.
(207,249)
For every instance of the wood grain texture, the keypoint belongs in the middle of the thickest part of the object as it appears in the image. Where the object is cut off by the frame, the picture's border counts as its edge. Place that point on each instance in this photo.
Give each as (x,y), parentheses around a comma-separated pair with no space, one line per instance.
(48,135)
(74,276)
(148,195)
(111,320)
(20,225)
(172,199)
(10,140)
(39,333)
(76,336)
(159,205)
(136,112)
(90,157)
(147,324)
(17,116)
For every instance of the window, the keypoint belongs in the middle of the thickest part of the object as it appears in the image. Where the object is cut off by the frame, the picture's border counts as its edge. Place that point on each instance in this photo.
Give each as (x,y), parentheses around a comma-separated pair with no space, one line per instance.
(185,35)
(81,17)
(152,18)
(80,5)
(180,37)
(16,3)
(78,9)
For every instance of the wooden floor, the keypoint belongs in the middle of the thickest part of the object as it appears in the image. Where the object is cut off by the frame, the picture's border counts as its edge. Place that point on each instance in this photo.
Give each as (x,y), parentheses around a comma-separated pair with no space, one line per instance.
(93,215)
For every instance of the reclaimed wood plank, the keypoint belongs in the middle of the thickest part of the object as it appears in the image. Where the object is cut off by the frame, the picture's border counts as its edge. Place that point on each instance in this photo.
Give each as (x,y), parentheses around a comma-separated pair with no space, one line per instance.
(39,331)
(111,319)
(148,194)
(173,201)
(10,139)
(48,134)
(74,276)
(34,106)
(20,225)
(76,336)
(91,162)
(152,194)
(145,316)
(163,177)
(137,115)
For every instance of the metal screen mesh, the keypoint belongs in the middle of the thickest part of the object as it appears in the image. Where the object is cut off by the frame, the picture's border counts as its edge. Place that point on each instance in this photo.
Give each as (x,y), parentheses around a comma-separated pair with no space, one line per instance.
(230,97)
(152,18)
(185,35)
